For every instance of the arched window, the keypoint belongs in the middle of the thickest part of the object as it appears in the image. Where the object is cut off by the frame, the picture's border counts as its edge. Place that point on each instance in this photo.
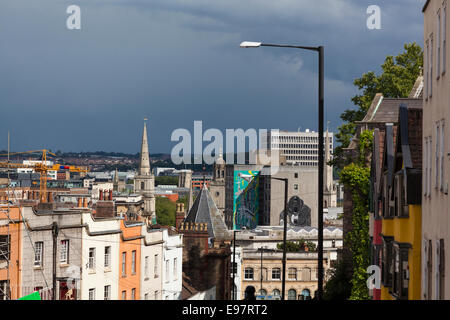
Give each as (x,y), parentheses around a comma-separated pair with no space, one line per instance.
(292,274)
(306,274)
(306,294)
(142,185)
(276,292)
(248,274)
(263,292)
(292,294)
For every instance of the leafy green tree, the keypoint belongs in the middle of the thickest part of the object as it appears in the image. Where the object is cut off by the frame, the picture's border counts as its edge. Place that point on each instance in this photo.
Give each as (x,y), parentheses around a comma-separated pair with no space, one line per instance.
(395,81)
(356,176)
(166,180)
(338,286)
(165,211)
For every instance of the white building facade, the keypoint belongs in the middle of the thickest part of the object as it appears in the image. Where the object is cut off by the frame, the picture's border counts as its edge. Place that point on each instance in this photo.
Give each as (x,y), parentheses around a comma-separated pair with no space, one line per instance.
(100,258)
(172,265)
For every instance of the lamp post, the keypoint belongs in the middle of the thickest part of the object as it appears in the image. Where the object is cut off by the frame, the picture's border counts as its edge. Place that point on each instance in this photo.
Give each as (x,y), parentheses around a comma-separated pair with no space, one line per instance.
(320,51)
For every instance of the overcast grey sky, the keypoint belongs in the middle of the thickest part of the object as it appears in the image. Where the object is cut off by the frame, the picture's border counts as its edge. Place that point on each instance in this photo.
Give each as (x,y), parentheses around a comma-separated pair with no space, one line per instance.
(176,61)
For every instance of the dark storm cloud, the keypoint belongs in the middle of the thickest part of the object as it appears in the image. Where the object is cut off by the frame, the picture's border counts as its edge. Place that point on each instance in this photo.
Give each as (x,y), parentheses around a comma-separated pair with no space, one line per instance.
(179,61)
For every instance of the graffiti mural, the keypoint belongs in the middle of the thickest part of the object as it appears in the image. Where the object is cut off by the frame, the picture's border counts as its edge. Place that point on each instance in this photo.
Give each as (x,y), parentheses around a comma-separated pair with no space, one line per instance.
(246,199)
(299,214)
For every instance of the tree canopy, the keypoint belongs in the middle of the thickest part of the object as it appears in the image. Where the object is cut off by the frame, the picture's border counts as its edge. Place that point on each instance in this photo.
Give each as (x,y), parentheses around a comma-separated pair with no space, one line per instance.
(396,80)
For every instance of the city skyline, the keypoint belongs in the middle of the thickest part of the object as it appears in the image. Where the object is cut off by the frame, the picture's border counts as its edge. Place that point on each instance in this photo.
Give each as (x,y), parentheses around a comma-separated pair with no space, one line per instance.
(177,62)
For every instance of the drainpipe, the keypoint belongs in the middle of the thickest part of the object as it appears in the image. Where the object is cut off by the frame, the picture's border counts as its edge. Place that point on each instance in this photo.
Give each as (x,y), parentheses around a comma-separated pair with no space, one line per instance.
(55,231)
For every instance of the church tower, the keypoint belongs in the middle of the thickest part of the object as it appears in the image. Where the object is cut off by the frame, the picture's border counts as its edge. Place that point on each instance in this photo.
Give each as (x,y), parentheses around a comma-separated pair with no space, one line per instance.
(217,185)
(329,188)
(144,181)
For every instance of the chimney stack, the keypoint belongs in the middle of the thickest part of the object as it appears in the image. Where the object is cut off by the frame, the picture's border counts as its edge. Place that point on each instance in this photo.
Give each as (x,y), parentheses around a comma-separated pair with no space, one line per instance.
(101,194)
(85,204)
(179,215)
(110,194)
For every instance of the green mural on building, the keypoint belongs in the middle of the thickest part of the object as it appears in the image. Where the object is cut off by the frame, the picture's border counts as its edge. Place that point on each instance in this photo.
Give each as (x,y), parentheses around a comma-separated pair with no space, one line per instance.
(246,199)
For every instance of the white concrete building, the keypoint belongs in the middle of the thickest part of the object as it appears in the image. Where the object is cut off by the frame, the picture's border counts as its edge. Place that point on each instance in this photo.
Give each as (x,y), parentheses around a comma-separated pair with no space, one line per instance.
(151,263)
(172,264)
(238,294)
(299,147)
(100,258)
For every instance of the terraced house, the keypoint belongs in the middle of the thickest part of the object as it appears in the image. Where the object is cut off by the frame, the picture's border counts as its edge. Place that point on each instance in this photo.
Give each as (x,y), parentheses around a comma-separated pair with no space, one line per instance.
(400,206)
(436,111)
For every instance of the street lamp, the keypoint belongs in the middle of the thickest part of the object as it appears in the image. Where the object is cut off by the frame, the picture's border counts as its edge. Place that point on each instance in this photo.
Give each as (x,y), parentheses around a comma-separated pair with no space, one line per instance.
(320,51)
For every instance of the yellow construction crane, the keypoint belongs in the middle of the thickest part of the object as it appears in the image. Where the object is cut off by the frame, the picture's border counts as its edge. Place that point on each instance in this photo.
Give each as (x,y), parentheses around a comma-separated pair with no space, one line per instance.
(42,168)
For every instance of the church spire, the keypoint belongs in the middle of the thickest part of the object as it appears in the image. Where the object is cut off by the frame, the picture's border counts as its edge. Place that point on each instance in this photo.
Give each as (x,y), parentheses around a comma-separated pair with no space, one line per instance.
(144,165)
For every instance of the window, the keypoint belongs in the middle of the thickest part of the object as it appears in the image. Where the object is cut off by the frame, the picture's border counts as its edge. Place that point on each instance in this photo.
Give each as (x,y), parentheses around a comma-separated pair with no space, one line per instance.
(133,262)
(91,263)
(444,35)
(386,263)
(4,286)
(437,153)
(107,257)
(292,294)
(295,186)
(146,296)
(425,184)
(38,253)
(248,273)
(292,274)
(5,247)
(124,295)
(155,270)
(438,45)
(133,294)
(441,270)
(430,143)
(442,156)
(146,267)
(276,293)
(430,270)
(400,281)
(437,271)
(401,205)
(427,67)
(175,268)
(431,66)
(142,185)
(296,175)
(263,292)
(64,256)
(156,294)
(276,274)
(124,264)
(107,292)
(306,274)
(92,294)
(167,270)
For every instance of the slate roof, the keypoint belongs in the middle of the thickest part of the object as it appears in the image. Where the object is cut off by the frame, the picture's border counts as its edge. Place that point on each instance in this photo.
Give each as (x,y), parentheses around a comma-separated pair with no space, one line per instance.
(385,110)
(204,210)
